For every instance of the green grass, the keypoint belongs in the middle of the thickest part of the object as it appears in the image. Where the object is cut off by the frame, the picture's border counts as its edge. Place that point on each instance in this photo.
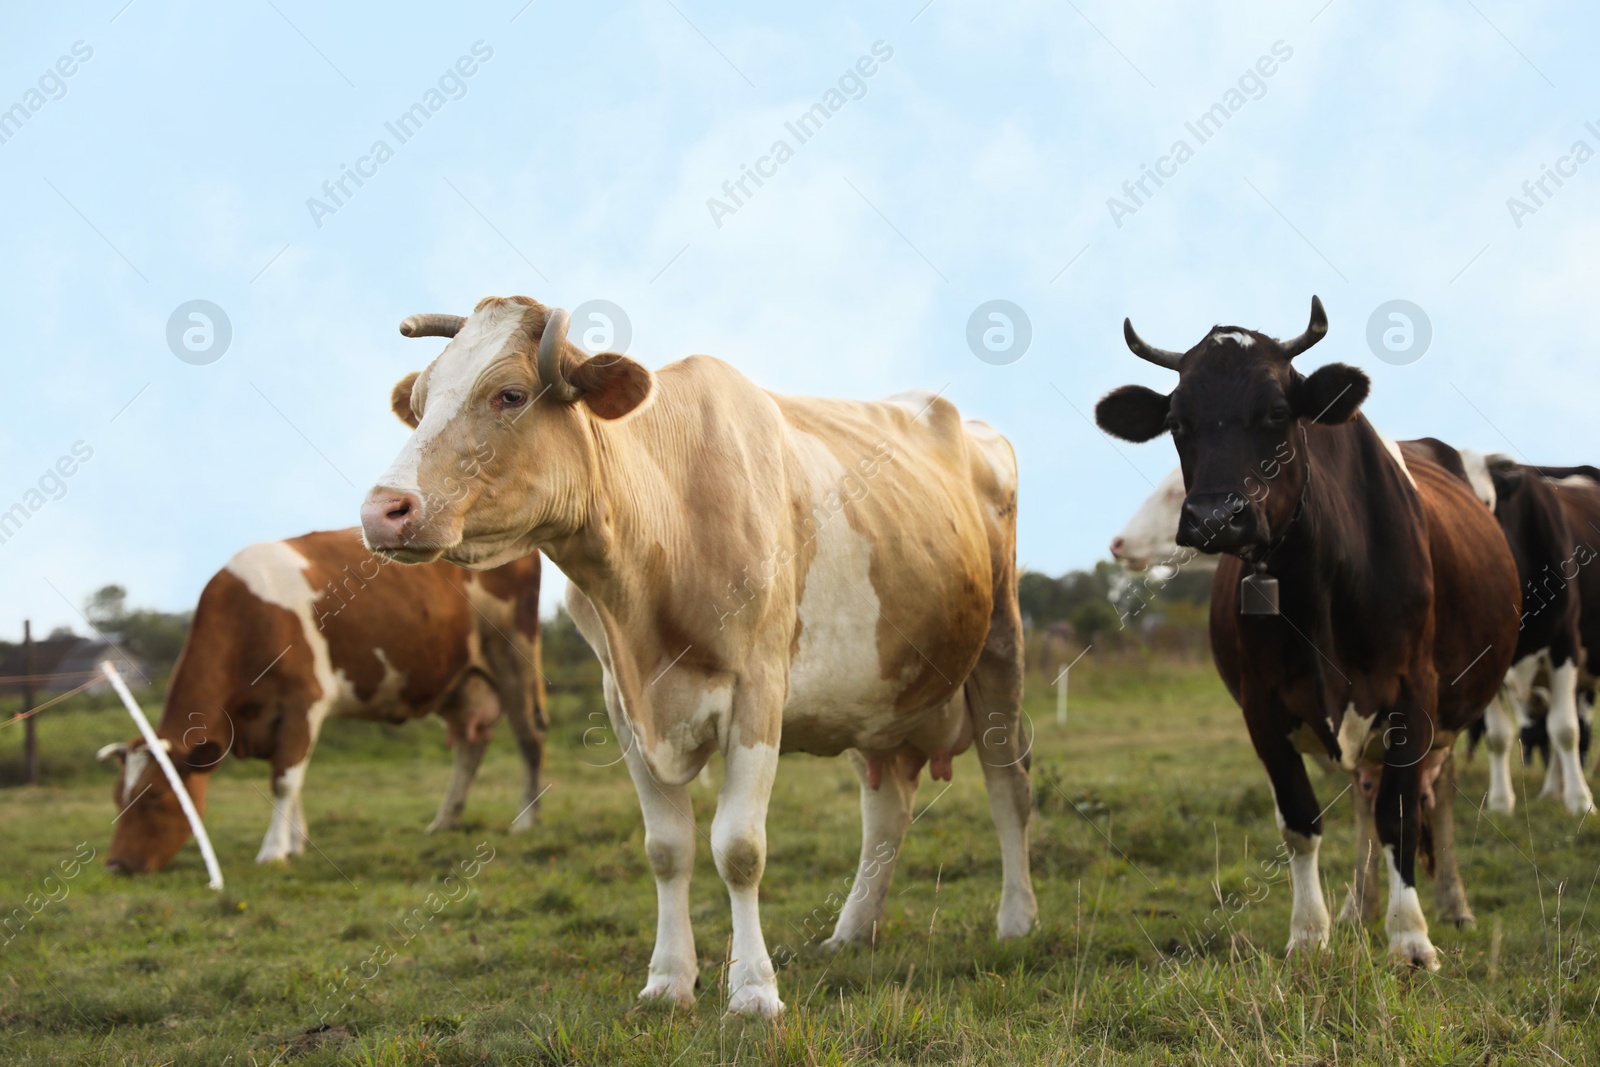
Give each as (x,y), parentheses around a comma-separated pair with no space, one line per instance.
(1152,808)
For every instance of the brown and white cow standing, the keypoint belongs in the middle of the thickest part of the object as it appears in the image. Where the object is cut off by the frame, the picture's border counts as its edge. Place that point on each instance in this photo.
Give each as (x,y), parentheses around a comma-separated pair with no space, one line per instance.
(755,572)
(1578,489)
(292,633)
(1395,618)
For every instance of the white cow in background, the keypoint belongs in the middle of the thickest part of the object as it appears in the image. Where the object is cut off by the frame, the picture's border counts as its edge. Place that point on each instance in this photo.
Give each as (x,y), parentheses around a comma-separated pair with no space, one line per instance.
(1150,538)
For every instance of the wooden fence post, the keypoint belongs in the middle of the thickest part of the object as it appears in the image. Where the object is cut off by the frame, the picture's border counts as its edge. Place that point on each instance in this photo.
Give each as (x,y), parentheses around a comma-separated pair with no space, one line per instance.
(30,737)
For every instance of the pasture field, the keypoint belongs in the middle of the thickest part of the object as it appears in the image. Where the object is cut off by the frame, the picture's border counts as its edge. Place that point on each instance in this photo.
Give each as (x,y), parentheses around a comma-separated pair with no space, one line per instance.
(1152,814)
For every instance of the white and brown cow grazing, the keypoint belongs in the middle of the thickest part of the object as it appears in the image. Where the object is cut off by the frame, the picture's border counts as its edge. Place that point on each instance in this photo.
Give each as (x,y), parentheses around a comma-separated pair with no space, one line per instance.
(292,633)
(757,573)
(1379,619)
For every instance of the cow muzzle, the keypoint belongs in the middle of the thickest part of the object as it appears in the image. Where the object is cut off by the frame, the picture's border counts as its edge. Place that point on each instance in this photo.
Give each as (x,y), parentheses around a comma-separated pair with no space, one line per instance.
(391,523)
(1218,522)
(1127,557)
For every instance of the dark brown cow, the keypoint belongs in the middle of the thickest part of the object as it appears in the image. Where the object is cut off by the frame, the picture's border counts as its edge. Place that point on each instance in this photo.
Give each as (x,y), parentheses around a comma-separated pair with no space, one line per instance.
(292,633)
(1395,597)
(1550,556)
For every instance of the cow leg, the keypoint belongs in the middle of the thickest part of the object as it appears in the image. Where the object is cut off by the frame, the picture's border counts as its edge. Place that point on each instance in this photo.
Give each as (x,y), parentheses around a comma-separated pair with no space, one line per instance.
(669,834)
(286,833)
(1300,823)
(1398,814)
(1361,904)
(739,844)
(885,814)
(297,737)
(298,835)
(1585,721)
(1449,894)
(469,720)
(468,756)
(993,692)
(525,707)
(1500,731)
(1566,768)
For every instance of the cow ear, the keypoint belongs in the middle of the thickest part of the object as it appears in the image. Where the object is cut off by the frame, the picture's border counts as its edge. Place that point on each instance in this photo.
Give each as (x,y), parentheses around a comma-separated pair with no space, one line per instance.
(117,750)
(1133,413)
(610,384)
(400,399)
(1507,476)
(1333,394)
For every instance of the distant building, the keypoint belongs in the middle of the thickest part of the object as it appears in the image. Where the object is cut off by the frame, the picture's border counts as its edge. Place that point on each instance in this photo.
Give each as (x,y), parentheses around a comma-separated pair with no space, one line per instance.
(62,663)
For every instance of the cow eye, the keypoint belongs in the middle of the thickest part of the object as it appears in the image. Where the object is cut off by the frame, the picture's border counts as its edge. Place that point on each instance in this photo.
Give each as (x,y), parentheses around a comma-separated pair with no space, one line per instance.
(1278,414)
(512,398)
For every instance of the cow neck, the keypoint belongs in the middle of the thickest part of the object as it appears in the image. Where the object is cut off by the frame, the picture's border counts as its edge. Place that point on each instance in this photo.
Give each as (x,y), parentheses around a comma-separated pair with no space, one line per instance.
(1260,556)
(627,511)
(198,692)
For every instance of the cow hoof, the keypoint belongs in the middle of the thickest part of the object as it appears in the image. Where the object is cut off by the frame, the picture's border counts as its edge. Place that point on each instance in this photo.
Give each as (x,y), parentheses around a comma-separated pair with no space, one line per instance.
(1351,914)
(1015,920)
(1414,950)
(1581,804)
(440,825)
(759,1000)
(863,937)
(669,992)
(524,823)
(272,857)
(1305,946)
(1503,804)
(1309,940)
(1008,927)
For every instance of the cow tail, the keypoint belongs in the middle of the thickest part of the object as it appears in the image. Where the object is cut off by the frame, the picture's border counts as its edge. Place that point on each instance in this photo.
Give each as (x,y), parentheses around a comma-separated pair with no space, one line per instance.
(1425,840)
(1475,734)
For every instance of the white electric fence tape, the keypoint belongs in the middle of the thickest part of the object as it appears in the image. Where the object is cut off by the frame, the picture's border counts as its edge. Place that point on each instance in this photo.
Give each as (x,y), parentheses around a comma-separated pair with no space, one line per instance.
(159,751)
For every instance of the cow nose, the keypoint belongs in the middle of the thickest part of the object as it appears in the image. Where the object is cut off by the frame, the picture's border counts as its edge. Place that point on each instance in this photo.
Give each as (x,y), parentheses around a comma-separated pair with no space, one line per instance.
(1117,545)
(116,866)
(388,516)
(1215,523)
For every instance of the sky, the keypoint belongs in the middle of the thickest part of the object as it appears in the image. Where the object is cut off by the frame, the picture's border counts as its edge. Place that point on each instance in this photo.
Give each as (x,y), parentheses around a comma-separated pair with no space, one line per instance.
(159,152)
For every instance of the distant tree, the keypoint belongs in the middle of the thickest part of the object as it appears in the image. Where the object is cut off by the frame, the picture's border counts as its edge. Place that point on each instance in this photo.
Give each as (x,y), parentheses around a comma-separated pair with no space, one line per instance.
(1045,600)
(1190,584)
(1094,618)
(1110,599)
(156,636)
(61,632)
(1040,597)
(106,606)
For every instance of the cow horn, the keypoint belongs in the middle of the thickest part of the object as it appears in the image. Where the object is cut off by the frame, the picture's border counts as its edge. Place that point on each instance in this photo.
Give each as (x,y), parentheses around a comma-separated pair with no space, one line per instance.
(550,346)
(116,748)
(432,325)
(1316,331)
(1159,356)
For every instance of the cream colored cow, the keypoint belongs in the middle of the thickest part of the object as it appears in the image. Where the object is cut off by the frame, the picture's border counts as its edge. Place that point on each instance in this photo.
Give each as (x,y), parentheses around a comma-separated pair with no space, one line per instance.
(757,573)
